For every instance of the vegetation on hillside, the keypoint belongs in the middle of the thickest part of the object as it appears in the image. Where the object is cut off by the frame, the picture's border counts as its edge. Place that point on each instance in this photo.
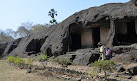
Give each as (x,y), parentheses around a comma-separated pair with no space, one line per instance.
(20,62)
(105,66)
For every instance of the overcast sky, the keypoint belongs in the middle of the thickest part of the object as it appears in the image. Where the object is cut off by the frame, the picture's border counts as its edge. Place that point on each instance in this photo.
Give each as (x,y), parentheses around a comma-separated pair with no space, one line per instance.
(15,12)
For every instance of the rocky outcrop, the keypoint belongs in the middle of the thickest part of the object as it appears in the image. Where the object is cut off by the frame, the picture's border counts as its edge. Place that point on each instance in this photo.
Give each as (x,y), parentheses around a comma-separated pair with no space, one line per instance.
(122,49)
(11,46)
(85,59)
(56,39)
(127,57)
(120,68)
(132,70)
(28,45)
(82,56)
(2,47)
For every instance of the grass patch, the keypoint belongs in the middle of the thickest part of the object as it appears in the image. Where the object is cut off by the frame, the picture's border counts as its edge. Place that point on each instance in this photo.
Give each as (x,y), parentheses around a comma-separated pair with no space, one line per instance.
(11,73)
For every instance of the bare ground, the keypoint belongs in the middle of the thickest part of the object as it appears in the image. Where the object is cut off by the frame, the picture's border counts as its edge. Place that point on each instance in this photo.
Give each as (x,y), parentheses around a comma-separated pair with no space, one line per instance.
(11,73)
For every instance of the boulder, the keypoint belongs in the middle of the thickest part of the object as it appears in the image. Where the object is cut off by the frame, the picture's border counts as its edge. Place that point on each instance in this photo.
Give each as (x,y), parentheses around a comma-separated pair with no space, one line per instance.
(120,68)
(82,56)
(132,70)
(85,59)
(128,57)
(122,49)
(67,56)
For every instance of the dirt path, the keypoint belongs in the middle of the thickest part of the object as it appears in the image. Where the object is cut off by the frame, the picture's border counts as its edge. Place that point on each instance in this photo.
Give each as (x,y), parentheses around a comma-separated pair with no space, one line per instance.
(11,73)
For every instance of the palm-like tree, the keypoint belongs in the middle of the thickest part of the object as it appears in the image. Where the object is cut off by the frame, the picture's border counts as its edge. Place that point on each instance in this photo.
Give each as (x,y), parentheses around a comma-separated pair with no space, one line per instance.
(52,14)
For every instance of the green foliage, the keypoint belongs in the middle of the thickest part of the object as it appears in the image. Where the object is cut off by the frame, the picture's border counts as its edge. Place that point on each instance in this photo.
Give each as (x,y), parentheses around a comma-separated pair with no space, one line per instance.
(22,32)
(11,59)
(29,62)
(4,37)
(94,73)
(63,61)
(39,28)
(52,14)
(105,65)
(20,62)
(43,57)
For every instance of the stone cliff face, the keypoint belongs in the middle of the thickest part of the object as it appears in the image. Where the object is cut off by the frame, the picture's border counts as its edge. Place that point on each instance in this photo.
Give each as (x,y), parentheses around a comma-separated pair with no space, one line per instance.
(56,39)
(2,47)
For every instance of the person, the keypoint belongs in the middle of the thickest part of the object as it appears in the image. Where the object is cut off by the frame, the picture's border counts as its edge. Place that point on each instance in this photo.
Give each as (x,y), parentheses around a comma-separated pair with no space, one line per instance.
(102,51)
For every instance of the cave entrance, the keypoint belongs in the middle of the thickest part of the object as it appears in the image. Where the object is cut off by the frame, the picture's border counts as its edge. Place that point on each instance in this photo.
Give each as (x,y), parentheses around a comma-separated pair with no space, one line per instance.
(96,36)
(76,41)
(125,34)
(131,33)
(34,46)
(75,37)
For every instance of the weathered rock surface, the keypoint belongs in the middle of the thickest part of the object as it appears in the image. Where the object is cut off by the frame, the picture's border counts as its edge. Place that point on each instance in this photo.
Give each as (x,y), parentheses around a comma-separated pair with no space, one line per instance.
(122,49)
(56,38)
(85,59)
(11,46)
(2,47)
(120,68)
(132,70)
(82,56)
(134,78)
(67,56)
(27,45)
(127,57)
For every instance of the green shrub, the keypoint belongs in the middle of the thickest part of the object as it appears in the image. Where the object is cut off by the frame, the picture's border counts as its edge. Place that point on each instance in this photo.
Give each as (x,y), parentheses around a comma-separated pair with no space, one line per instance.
(94,73)
(20,62)
(28,62)
(43,57)
(105,66)
(11,59)
(63,61)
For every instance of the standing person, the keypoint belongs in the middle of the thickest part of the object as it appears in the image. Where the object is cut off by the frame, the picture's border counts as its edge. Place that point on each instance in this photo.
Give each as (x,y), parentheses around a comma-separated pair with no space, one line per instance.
(102,51)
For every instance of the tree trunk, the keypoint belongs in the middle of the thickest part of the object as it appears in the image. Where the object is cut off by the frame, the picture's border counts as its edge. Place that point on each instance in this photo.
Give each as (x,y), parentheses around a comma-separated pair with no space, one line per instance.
(105,75)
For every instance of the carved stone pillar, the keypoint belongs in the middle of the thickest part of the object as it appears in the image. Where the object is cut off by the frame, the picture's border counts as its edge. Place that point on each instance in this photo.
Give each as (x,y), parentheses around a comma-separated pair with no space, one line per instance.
(111,33)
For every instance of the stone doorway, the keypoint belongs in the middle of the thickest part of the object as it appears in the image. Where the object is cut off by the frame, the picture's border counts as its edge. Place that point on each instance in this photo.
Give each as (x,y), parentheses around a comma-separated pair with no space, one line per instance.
(96,36)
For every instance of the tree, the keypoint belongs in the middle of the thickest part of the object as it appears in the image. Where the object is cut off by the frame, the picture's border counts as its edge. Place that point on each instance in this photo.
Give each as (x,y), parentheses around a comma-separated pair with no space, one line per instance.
(10,32)
(52,14)
(105,66)
(38,28)
(27,29)
(5,38)
(22,32)
(27,25)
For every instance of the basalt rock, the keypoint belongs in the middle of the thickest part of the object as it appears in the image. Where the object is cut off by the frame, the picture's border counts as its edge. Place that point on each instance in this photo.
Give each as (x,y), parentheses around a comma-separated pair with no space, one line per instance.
(132,70)
(56,39)
(128,57)
(2,47)
(11,46)
(85,59)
